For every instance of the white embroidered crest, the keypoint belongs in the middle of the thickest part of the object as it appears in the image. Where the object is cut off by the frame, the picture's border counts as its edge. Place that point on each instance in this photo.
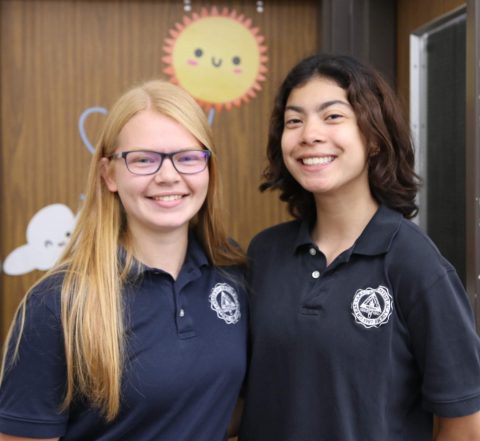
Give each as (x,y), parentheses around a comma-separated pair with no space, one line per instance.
(372,307)
(224,301)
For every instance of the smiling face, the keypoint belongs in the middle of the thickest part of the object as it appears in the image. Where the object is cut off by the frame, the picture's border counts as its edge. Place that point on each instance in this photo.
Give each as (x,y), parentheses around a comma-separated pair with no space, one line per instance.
(216,58)
(322,145)
(166,201)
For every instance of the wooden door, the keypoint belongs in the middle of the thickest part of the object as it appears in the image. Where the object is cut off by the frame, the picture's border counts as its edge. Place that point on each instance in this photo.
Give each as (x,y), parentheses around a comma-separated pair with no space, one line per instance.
(60,58)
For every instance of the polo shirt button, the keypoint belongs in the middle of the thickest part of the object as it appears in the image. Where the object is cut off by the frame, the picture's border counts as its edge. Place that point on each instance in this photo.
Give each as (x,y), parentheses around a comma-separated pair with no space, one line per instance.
(316,274)
(181,313)
(312,251)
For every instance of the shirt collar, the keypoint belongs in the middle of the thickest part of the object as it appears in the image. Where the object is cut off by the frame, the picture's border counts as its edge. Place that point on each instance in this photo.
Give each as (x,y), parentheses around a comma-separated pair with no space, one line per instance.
(303,238)
(375,239)
(195,257)
(378,235)
(195,252)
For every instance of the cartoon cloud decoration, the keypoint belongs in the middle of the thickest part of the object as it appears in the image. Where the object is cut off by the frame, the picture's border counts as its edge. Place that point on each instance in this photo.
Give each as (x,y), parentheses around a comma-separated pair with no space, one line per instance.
(47,234)
(218,57)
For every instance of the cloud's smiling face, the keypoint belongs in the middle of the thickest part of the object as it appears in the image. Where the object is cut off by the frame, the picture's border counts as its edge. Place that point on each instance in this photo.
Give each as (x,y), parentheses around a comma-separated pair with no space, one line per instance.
(49,230)
(47,234)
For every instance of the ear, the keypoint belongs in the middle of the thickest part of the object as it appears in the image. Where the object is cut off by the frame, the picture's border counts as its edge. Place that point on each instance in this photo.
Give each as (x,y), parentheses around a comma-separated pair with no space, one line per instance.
(108,175)
(374,150)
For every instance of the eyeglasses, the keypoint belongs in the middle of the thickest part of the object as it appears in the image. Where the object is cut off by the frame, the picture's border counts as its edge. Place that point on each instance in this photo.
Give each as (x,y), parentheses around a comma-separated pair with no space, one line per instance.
(147,162)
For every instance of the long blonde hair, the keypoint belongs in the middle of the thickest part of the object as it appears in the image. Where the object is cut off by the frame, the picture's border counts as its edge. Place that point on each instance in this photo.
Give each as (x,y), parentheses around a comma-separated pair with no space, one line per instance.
(91,301)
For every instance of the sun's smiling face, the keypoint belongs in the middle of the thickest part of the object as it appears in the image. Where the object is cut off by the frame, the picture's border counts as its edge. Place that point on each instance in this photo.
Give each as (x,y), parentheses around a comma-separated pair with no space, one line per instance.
(217,58)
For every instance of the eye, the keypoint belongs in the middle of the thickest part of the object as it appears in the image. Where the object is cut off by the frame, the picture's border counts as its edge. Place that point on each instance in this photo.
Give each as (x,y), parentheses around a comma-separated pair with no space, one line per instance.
(236,61)
(189,157)
(333,117)
(292,122)
(48,243)
(68,234)
(198,52)
(142,158)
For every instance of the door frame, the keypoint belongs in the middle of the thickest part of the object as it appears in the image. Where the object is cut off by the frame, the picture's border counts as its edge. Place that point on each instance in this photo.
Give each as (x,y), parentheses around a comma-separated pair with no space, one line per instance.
(472,172)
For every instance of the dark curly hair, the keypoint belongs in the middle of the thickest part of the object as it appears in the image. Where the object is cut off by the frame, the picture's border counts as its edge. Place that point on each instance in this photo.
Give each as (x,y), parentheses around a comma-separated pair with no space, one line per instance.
(393,181)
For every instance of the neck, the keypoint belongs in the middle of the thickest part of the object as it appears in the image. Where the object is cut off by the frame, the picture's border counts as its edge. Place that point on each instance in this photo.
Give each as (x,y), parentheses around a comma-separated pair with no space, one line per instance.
(340,221)
(163,251)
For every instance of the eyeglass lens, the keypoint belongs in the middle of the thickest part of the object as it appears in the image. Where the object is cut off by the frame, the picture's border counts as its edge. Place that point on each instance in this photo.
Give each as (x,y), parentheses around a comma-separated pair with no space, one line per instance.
(187,162)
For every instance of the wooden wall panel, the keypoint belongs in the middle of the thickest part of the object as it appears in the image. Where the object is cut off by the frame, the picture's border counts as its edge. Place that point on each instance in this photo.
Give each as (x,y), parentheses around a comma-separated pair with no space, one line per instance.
(241,133)
(60,57)
(411,15)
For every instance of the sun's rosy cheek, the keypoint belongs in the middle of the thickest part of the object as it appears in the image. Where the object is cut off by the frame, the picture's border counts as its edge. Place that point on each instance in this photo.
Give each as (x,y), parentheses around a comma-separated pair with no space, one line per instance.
(192,62)
(237,70)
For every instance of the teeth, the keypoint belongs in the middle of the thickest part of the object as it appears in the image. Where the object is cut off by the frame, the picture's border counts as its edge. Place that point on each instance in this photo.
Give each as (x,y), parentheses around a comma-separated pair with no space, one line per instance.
(171,197)
(318,160)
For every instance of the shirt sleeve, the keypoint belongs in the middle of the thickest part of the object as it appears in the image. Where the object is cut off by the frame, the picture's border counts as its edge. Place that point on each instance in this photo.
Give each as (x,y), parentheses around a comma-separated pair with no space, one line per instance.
(34,385)
(447,347)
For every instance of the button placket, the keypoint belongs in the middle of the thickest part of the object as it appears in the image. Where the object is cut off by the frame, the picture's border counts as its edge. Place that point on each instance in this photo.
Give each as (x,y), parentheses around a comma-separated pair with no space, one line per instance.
(184,321)
(315,270)
(315,256)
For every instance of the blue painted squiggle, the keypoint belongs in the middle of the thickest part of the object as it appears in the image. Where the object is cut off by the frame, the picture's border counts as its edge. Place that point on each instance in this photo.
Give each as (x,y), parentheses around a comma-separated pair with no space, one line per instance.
(81,125)
(211,116)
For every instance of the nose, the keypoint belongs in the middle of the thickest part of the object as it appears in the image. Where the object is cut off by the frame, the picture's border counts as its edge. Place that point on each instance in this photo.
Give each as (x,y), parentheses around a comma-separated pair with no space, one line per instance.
(313,132)
(167,172)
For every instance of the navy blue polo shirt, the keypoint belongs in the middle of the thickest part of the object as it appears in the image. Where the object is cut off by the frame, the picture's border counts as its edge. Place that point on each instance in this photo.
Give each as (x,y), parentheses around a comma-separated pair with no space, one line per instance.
(366,349)
(186,359)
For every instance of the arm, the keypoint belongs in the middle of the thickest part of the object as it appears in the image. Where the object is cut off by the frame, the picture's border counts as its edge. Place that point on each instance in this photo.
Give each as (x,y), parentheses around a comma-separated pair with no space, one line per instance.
(446,346)
(465,428)
(4,437)
(234,421)
(33,387)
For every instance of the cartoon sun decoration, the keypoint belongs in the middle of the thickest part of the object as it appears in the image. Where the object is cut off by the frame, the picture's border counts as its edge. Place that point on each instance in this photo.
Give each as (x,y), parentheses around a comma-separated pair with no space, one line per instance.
(218,57)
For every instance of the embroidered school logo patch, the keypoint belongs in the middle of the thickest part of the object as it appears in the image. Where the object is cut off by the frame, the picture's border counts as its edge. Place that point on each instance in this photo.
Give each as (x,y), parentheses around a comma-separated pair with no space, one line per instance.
(224,301)
(372,307)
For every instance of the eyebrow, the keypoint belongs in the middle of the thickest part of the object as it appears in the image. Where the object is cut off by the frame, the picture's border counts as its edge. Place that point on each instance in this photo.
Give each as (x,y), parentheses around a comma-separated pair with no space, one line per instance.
(319,108)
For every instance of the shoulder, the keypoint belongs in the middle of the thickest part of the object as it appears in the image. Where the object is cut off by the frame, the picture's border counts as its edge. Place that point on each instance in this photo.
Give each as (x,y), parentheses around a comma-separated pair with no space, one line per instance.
(418,270)
(413,249)
(233,273)
(276,236)
(44,296)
